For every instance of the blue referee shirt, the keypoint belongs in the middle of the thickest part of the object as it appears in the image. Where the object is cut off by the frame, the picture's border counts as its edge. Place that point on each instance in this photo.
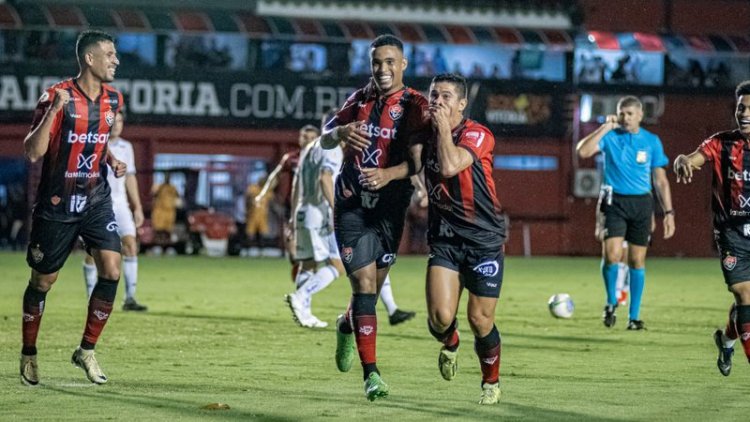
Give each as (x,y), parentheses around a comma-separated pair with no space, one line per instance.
(629,159)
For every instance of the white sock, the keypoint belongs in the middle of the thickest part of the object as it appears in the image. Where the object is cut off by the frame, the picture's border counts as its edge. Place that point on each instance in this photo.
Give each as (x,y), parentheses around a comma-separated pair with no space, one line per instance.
(386,295)
(89,275)
(623,274)
(303,279)
(728,342)
(130,270)
(322,278)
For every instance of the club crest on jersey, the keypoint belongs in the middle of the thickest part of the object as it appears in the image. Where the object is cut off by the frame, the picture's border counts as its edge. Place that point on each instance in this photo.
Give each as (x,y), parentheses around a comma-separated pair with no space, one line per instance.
(36,254)
(346,254)
(729,262)
(109,117)
(55,200)
(395,111)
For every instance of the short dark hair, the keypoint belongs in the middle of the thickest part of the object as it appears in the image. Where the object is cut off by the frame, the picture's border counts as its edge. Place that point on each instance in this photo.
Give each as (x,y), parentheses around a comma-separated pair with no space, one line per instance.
(629,101)
(742,89)
(454,78)
(387,39)
(88,38)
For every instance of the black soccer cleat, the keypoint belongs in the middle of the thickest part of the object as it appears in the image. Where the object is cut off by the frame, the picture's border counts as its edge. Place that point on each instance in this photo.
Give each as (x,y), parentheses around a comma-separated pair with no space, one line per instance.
(609,318)
(133,305)
(636,324)
(724,362)
(400,316)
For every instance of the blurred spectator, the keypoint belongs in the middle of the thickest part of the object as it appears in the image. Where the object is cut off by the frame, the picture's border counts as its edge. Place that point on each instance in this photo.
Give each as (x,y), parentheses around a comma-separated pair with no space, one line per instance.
(164,212)
(256,220)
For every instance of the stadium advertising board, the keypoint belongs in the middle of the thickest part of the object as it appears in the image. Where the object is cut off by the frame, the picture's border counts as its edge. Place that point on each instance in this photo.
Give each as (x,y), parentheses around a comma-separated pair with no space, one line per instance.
(233,99)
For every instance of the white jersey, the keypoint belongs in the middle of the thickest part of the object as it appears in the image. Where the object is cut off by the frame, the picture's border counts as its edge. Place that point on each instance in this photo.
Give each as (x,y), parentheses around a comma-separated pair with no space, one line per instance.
(123,151)
(312,161)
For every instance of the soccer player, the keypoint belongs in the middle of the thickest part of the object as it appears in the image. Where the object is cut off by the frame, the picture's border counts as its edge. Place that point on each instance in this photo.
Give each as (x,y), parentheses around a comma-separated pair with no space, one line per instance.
(631,156)
(126,202)
(383,126)
(725,151)
(466,232)
(70,130)
(288,162)
(312,225)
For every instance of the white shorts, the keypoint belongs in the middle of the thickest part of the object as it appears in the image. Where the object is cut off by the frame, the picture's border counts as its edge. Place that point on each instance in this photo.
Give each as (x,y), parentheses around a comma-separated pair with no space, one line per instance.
(313,234)
(125,222)
(333,247)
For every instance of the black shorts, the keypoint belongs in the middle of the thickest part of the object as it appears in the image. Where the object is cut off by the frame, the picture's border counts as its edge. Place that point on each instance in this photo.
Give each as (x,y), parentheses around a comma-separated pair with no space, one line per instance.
(628,216)
(734,252)
(369,235)
(480,270)
(50,242)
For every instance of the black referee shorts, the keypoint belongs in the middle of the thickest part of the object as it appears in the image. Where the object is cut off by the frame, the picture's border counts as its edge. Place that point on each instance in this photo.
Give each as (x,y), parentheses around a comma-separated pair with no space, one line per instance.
(628,216)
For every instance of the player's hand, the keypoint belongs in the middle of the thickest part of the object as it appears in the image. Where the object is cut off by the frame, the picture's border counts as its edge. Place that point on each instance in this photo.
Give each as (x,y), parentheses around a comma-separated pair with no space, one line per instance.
(354,135)
(440,116)
(62,97)
(669,226)
(374,178)
(612,122)
(683,168)
(138,217)
(119,167)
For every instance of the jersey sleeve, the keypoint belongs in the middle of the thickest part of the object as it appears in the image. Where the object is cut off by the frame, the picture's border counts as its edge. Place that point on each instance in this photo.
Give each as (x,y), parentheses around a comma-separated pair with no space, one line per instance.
(44,103)
(478,141)
(606,139)
(418,127)
(659,159)
(347,113)
(332,159)
(710,149)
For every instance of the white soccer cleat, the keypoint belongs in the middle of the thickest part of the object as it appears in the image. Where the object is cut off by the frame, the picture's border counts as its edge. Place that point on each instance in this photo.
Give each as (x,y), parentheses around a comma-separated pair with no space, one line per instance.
(29,370)
(314,322)
(299,312)
(86,360)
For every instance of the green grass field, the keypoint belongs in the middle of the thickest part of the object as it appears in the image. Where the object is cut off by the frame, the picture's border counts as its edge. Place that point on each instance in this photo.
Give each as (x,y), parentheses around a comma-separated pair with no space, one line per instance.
(218,330)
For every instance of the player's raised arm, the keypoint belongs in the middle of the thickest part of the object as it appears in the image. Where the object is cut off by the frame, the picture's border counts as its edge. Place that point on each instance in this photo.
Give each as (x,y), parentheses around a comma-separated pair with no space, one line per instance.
(36,142)
(685,164)
(352,134)
(589,146)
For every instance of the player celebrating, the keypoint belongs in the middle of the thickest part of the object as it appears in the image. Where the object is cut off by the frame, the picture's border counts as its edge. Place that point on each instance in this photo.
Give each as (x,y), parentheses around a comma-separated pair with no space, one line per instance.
(466,232)
(383,126)
(70,130)
(124,197)
(726,153)
(312,225)
(631,156)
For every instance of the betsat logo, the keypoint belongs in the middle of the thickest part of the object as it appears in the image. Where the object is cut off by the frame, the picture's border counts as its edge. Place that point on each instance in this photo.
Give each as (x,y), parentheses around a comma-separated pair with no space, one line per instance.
(87,138)
(744,175)
(379,132)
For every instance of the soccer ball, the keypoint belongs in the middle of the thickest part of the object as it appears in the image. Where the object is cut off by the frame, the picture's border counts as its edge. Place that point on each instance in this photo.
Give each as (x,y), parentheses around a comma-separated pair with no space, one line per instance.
(561,305)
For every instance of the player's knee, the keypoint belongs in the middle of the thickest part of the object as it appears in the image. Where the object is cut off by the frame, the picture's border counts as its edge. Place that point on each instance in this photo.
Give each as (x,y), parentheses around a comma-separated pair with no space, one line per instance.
(441,319)
(129,246)
(42,282)
(480,323)
(338,265)
(741,292)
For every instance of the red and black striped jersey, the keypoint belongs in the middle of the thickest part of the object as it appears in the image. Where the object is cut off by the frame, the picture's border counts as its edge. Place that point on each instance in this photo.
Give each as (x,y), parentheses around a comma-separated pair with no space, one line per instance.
(465,207)
(730,199)
(394,123)
(74,172)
